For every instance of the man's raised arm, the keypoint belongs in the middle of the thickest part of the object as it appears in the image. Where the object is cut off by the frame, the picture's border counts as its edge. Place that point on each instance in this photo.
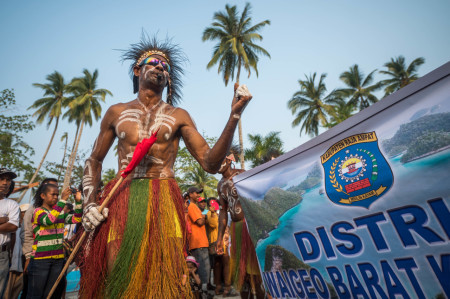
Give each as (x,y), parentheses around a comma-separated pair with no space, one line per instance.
(93,170)
(211,158)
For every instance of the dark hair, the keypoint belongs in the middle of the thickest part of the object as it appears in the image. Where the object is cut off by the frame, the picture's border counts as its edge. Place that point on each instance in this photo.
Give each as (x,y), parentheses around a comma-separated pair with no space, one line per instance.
(47,180)
(70,207)
(11,189)
(43,188)
(174,54)
(39,189)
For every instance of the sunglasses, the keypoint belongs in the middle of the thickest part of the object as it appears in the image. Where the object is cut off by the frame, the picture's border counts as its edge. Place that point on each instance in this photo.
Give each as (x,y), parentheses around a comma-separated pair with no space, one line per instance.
(155,61)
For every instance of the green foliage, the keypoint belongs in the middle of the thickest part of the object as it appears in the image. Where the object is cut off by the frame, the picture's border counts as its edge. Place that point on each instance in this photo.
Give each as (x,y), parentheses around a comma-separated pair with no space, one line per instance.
(199,178)
(265,148)
(310,105)
(340,111)
(407,135)
(108,175)
(53,169)
(359,90)
(85,100)
(399,74)
(188,171)
(50,106)
(235,38)
(15,153)
(343,102)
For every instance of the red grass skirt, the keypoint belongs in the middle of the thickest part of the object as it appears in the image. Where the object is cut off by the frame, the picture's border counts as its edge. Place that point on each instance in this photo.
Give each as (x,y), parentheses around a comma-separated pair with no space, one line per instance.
(146,222)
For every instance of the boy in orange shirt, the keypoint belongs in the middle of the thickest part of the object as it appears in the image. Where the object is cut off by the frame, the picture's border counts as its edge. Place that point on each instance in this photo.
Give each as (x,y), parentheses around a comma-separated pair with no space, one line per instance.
(198,241)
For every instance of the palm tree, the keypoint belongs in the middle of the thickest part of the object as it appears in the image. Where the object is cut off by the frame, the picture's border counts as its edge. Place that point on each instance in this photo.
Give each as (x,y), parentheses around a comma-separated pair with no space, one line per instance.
(265,148)
(83,103)
(359,91)
(312,105)
(49,107)
(400,74)
(64,137)
(199,178)
(340,111)
(235,48)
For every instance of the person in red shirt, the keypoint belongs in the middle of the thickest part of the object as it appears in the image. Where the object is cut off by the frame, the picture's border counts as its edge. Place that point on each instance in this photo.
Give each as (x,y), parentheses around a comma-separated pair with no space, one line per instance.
(198,241)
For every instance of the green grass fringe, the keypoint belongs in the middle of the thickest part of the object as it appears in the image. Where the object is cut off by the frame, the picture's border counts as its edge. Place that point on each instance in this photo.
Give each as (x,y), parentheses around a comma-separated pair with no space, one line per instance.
(129,250)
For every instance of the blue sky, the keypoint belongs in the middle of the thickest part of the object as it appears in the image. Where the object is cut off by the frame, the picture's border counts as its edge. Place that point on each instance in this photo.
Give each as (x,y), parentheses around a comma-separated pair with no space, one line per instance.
(39,37)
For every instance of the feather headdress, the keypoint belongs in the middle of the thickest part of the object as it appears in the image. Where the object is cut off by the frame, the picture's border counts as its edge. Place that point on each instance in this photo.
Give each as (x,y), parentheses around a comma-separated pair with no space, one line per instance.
(172,52)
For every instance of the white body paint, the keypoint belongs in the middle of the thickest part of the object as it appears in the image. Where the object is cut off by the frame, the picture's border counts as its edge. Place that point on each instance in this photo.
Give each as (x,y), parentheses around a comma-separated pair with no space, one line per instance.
(87,180)
(147,125)
(229,192)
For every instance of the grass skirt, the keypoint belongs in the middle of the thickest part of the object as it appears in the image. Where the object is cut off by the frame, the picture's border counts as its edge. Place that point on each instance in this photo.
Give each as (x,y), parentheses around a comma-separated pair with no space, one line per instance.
(146,219)
(243,254)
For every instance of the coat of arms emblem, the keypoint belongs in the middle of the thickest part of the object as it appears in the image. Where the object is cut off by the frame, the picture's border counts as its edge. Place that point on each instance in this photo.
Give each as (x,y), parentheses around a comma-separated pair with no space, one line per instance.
(356,172)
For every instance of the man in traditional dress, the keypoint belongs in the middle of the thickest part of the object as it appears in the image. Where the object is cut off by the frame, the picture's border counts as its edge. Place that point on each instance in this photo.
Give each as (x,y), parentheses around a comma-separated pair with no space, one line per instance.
(138,252)
(244,264)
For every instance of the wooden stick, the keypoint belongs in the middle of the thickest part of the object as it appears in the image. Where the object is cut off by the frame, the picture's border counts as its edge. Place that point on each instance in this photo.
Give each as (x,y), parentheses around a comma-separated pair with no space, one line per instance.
(83,236)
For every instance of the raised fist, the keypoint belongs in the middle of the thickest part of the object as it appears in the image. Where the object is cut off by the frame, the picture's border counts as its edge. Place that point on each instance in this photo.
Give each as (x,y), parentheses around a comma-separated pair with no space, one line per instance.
(242,90)
(240,100)
(92,217)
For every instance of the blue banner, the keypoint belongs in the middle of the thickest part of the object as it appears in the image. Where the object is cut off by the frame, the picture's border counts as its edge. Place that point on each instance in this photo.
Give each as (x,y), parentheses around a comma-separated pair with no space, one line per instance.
(362,210)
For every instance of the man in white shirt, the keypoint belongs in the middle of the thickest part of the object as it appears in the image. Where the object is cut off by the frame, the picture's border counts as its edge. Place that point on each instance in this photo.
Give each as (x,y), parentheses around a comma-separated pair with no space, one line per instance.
(9,222)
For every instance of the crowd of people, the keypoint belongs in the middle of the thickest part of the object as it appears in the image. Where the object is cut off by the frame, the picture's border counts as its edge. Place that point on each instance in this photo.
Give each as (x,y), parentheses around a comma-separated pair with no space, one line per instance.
(202,221)
(33,237)
(35,241)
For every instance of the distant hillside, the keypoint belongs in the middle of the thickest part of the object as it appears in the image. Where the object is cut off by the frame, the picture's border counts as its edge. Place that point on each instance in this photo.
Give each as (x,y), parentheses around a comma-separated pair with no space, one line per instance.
(425,135)
(263,216)
(314,177)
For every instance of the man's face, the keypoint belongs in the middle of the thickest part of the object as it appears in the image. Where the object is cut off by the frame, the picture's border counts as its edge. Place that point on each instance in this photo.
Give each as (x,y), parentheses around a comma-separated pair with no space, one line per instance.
(224,166)
(5,183)
(202,205)
(194,196)
(151,75)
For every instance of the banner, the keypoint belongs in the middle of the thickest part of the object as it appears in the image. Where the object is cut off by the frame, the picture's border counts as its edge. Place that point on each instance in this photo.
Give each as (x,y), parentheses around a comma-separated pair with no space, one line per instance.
(362,210)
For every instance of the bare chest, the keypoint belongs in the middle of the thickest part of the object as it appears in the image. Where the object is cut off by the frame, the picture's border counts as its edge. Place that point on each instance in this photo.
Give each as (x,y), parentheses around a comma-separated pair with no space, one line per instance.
(134,124)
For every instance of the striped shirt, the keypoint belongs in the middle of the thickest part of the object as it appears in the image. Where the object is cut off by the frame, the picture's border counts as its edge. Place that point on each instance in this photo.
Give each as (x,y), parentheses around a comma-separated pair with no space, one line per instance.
(48,230)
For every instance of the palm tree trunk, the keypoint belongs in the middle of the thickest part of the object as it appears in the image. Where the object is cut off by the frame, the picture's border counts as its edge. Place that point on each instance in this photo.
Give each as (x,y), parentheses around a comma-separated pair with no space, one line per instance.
(241,139)
(73,147)
(64,158)
(73,155)
(42,161)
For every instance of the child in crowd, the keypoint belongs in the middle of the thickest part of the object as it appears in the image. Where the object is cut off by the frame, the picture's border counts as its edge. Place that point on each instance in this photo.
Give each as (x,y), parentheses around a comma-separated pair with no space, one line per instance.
(47,258)
(194,279)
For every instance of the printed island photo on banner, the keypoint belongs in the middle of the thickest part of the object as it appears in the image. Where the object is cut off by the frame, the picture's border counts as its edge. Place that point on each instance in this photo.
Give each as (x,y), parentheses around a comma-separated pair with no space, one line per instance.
(362,210)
